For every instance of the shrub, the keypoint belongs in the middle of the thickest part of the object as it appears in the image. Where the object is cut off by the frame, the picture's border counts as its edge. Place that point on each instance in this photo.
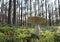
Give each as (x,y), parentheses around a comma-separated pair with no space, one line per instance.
(1,37)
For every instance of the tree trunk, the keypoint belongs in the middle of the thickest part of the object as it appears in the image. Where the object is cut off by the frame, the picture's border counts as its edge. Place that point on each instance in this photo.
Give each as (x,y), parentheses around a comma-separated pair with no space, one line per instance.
(21,13)
(9,13)
(14,12)
(49,19)
(52,16)
(46,12)
(30,7)
(59,10)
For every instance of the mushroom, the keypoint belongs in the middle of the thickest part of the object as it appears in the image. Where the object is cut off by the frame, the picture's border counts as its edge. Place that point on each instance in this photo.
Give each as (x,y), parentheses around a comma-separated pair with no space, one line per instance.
(37,21)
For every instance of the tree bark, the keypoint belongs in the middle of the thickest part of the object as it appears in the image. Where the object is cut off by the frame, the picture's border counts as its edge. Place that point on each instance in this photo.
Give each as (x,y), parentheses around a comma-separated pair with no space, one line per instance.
(21,13)
(9,13)
(14,12)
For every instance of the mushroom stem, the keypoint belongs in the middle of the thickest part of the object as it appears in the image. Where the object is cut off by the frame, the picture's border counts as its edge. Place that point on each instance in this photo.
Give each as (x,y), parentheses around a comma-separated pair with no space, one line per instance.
(37,30)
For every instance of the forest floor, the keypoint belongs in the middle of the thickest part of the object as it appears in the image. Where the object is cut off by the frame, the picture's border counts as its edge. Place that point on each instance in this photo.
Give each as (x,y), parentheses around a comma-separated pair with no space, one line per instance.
(15,34)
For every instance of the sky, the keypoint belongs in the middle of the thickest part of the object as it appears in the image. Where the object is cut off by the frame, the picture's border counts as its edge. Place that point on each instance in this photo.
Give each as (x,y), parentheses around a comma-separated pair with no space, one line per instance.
(33,0)
(32,3)
(50,1)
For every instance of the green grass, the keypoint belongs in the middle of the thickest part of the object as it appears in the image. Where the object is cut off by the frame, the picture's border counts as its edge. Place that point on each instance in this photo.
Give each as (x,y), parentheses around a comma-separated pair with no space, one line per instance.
(20,34)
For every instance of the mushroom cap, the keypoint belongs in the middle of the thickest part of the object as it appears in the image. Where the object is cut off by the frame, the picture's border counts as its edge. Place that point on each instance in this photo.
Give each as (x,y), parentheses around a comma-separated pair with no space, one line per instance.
(36,20)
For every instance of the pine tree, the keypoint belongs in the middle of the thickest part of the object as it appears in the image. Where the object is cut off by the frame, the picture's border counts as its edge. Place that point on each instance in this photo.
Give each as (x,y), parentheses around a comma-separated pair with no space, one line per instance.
(46,11)
(9,13)
(49,15)
(14,12)
(21,13)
